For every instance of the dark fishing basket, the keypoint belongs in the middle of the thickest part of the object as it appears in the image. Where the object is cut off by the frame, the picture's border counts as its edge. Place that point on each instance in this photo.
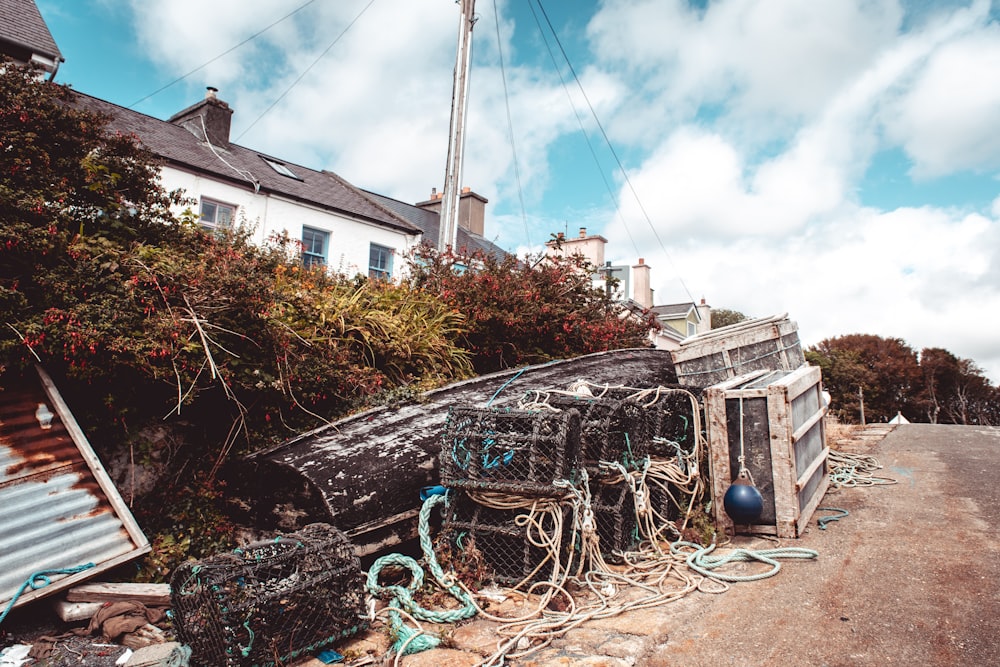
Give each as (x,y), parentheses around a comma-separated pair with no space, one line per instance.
(611,430)
(670,416)
(504,546)
(522,452)
(614,519)
(269,602)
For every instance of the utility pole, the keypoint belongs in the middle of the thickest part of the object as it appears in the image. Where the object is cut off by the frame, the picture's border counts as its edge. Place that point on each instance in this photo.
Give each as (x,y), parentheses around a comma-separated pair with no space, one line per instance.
(456,134)
(861,401)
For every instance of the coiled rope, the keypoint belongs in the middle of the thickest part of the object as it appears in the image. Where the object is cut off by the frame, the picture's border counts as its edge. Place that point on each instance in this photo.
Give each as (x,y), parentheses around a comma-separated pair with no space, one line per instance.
(705,564)
(409,640)
(851,470)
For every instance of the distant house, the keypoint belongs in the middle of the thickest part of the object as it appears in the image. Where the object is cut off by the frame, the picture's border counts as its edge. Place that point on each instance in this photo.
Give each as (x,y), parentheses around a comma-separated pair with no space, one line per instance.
(25,37)
(679,321)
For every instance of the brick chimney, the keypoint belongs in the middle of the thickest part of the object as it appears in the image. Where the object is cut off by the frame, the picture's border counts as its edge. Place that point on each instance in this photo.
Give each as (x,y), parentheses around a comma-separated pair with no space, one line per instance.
(211,114)
(471,209)
(641,293)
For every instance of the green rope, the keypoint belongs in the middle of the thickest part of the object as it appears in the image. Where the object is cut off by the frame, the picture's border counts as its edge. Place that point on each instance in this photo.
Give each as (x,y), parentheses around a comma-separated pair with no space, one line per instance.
(40,580)
(409,640)
(701,562)
(823,520)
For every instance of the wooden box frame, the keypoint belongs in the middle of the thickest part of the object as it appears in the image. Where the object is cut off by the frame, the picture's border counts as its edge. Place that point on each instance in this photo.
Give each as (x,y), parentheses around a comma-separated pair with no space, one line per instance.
(767,343)
(779,417)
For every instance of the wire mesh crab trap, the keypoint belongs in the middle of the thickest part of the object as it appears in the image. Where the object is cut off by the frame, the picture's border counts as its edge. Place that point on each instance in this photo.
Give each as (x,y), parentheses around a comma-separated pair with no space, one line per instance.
(671,415)
(611,430)
(269,602)
(523,452)
(614,519)
(510,548)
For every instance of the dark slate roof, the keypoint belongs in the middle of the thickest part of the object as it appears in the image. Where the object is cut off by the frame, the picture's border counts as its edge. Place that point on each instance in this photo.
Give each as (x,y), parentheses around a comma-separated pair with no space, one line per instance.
(430,223)
(22,24)
(179,148)
(674,310)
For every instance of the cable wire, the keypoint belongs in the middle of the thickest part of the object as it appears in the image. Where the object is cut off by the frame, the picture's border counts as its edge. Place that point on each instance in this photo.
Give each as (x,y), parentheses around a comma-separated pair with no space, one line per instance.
(614,153)
(224,53)
(510,126)
(307,70)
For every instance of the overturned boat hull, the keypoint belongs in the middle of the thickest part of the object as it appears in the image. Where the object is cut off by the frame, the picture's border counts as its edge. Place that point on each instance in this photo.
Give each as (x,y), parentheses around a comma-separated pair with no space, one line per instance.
(363,474)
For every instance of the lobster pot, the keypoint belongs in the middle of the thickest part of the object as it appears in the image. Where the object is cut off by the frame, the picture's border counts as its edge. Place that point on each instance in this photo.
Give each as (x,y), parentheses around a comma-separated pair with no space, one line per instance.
(778,418)
(614,518)
(522,452)
(770,343)
(506,548)
(269,602)
(611,430)
(669,416)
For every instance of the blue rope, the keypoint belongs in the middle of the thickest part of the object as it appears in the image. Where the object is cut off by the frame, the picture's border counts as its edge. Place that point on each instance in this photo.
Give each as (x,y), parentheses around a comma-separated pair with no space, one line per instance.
(823,520)
(40,580)
(505,385)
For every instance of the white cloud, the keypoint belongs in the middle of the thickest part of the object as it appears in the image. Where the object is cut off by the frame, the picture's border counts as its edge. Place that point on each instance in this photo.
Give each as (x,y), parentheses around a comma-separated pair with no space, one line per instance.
(947,119)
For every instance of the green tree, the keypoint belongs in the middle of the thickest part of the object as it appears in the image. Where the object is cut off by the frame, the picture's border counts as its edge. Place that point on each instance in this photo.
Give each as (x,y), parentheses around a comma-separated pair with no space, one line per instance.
(723,317)
(955,390)
(882,373)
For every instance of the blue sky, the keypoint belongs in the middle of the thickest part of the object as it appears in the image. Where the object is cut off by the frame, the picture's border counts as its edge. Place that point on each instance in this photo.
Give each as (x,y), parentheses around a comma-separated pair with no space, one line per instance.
(838,160)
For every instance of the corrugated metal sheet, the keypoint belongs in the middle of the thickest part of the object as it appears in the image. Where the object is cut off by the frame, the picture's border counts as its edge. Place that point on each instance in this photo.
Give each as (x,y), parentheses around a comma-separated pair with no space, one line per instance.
(58,507)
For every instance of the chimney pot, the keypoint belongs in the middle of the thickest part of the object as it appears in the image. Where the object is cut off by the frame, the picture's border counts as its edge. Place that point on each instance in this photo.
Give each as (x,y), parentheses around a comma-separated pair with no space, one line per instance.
(466,189)
(583,232)
(210,93)
(642,261)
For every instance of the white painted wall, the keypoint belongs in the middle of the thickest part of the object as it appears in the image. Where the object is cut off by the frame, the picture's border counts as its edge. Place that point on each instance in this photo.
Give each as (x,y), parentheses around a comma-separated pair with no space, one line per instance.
(268,214)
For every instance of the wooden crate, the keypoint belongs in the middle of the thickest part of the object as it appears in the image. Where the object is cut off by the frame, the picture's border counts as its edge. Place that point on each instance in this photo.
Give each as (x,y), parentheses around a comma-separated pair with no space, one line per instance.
(769,343)
(778,416)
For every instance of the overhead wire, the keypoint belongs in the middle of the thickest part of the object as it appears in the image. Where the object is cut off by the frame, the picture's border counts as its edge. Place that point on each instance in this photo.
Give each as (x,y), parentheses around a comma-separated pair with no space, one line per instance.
(586,136)
(307,70)
(510,126)
(224,53)
(614,153)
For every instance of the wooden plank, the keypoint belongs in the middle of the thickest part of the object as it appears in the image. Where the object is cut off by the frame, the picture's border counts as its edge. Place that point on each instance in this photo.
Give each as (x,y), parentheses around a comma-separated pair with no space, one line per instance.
(808,424)
(718,451)
(71,612)
(806,513)
(97,468)
(801,380)
(800,483)
(782,461)
(148,594)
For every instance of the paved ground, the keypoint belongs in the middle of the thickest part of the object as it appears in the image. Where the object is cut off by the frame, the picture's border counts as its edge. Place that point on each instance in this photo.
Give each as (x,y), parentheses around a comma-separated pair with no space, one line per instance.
(911,577)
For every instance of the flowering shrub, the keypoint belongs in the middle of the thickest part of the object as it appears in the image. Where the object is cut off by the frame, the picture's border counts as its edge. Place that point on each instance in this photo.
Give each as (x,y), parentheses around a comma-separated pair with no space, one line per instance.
(526,312)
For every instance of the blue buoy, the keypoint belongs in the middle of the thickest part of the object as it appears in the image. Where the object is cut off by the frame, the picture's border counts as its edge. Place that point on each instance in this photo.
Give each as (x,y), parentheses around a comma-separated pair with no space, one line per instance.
(743,502)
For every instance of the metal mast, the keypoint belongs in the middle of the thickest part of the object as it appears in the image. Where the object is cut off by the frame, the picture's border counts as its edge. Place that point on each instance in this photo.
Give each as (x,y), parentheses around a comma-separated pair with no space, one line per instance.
(456,135)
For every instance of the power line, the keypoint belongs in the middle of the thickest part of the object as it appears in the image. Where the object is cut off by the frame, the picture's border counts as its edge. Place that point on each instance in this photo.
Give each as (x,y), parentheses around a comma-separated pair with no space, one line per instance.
(510,126)
(583,130)
(306,71)
(614,153)
(224,53)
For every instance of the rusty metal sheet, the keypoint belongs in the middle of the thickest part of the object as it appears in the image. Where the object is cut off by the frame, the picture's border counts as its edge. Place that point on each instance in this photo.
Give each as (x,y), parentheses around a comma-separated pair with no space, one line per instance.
(58,507)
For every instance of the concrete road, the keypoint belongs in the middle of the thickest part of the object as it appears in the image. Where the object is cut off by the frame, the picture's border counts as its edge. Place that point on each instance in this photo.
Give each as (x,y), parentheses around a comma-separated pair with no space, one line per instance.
(911,577)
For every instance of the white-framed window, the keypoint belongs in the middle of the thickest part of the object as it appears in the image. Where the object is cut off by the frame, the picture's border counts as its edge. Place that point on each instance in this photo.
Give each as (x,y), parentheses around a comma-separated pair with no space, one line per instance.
(217,215)
(379,262)
(692,328)
(315,245)
(280,167)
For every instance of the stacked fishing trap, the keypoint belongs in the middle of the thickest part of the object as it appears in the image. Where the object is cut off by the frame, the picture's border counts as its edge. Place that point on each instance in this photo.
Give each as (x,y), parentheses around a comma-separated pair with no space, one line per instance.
(530,485)
(269,602)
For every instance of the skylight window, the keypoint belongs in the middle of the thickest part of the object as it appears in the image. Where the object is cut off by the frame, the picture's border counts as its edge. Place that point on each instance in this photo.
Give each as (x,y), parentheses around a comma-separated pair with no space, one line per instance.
(280,167)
